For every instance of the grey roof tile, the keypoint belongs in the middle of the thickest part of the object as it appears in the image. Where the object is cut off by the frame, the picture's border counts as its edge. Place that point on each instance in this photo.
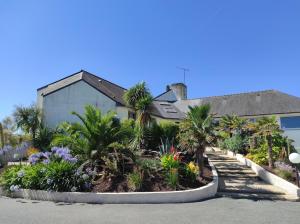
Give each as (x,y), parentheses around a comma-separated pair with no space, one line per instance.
(247,104)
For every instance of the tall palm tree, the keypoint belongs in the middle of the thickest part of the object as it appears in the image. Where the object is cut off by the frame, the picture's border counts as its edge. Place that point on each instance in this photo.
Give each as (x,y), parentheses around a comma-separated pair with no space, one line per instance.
(200,131)
(139,98)
(92,135)
(28,119)
(268,127)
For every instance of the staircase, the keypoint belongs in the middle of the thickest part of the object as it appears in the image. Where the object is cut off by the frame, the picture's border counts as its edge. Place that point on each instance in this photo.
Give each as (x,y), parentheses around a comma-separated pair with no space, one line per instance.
(239,181)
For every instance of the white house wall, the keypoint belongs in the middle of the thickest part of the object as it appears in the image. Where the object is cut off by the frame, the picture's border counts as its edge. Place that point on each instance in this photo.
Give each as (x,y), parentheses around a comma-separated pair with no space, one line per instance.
(57,106)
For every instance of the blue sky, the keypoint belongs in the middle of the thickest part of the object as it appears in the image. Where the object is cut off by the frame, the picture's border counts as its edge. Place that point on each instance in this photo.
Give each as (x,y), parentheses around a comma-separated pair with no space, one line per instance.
(229,46)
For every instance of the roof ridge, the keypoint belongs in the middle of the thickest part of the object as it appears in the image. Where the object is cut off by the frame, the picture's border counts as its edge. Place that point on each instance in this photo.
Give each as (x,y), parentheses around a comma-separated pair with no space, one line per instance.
(45,86)
(163,93)
(103,79)
(237,94)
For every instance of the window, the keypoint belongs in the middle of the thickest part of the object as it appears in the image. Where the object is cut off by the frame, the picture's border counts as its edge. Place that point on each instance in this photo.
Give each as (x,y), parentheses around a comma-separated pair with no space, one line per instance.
(290,122)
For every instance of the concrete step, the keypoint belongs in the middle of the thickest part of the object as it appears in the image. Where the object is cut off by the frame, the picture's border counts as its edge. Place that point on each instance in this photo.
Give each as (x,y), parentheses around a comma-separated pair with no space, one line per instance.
(237,175)
(232,167)
(257,197)
(236,171)
(251,190)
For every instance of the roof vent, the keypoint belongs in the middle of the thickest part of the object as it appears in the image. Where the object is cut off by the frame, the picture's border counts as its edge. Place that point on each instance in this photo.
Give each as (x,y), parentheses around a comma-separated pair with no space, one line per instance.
(99,80)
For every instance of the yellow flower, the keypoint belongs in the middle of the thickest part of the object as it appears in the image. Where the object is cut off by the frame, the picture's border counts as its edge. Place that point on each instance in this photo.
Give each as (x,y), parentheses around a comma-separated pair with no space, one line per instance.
(192,167)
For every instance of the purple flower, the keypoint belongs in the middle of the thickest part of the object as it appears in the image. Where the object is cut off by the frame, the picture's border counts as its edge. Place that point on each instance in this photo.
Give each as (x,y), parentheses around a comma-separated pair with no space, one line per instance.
(87,185)
(283,166)
(14,188)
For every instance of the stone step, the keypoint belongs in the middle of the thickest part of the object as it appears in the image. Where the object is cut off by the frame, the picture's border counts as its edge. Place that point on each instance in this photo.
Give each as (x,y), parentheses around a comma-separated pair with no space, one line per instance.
(257,197)
(230,167)
(237,175)
(251,190)
(236,171)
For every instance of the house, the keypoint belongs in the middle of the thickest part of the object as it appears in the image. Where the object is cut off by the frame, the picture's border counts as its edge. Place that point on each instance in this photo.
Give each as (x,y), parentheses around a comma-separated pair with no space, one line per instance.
(58,99)
(72,93)
(251,105)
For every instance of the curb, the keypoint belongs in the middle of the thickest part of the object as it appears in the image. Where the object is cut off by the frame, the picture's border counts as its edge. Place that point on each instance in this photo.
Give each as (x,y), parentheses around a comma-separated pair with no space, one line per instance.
(198,194)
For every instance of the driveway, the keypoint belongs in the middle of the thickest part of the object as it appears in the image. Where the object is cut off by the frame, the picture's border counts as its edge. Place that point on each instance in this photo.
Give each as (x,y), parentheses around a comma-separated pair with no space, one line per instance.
(217,211)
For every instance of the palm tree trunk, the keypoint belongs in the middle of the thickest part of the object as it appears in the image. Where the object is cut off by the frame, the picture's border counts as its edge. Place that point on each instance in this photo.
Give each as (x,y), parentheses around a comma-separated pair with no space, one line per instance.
(200,160)
(1,136)
(270,151)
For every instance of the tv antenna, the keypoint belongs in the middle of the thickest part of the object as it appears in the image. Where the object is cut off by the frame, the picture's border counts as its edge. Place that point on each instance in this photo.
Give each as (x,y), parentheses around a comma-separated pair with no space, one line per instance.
(184,71)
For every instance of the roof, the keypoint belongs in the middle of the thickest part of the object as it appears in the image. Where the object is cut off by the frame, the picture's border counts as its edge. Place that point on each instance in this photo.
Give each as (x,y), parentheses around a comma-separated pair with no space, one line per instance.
(111,90)
(169,96)
(167,110)
(269,102)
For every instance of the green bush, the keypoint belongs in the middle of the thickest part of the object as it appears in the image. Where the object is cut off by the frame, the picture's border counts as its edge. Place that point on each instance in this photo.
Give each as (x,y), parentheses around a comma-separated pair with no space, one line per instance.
(236,144)
(287,175)
(135,180)
(260,155)
(170,161)
(172,178)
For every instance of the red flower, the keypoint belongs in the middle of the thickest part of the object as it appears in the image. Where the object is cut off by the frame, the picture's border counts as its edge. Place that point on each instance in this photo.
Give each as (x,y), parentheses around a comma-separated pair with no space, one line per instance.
(172,149)
(176,156)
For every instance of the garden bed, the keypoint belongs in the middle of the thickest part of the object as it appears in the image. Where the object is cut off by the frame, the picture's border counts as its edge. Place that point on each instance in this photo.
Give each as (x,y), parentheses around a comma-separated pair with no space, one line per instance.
(154,184)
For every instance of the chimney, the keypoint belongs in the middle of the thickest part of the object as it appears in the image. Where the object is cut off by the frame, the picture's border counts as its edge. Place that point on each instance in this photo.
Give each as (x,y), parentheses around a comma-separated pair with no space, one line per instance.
(180,90)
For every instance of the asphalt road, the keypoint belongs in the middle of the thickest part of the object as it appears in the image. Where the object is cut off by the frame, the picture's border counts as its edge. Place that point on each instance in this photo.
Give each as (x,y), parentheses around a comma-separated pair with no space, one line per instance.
(217,211)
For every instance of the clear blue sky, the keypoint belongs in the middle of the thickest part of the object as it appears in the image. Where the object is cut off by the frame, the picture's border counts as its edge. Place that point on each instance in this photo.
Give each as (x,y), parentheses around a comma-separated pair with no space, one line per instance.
(229,46)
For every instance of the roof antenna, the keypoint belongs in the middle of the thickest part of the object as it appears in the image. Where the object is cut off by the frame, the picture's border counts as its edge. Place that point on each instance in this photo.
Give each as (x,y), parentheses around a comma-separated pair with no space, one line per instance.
(184,71)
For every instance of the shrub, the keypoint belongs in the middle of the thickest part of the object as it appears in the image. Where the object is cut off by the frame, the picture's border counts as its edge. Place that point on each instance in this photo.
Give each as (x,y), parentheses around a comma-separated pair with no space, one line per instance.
(135,180)
(172,178)
(236,143)
(260,155)
(170,161)
(287,175)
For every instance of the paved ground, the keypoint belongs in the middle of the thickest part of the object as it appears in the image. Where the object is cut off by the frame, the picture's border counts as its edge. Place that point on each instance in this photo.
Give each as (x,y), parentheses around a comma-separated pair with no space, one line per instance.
(214,211)
(239,181)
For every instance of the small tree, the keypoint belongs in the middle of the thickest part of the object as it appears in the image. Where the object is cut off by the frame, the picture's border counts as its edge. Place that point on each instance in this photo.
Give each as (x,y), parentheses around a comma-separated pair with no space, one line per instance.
(28,119)
(267,128)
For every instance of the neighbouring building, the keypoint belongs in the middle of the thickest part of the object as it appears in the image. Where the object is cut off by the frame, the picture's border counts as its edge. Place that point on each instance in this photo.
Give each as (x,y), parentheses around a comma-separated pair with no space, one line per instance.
(72,93)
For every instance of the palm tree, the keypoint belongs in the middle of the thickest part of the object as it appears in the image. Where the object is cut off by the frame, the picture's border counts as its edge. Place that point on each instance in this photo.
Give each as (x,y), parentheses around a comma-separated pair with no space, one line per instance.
(91,136)
(198,132)
(139,98)
(28,119)
(268,127)
(232,124)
